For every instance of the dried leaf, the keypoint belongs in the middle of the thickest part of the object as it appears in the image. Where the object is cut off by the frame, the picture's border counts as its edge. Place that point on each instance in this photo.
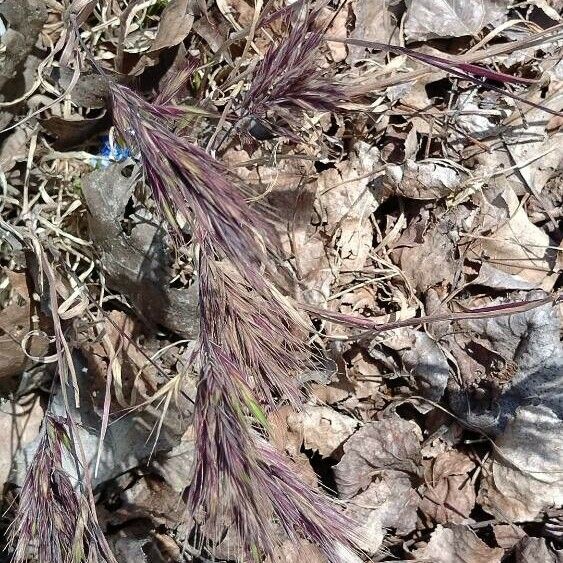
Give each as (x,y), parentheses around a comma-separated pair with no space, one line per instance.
(346,202)
(450,18)
(389,502)
(458,544)
(374,22)
(19,424)
(508,535)
(534,550)
(525,474)
(425,179)
(433,261)
(324,429)
(516,246)
(15,324)
(428,364)
(391,443)
(175,23)
(449,494)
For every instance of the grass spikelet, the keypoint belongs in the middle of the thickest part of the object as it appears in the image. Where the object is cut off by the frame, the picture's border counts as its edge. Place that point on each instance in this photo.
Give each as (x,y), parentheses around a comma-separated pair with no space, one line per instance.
(238,478)
(289,77)
(250,346)
(53,520)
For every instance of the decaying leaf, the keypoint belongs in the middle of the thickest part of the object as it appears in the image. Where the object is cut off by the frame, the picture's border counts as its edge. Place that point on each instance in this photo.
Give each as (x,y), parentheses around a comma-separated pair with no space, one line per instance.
(323,428)
(391,443)
(449,493)
(389,502)
(532,550)
(425,179)
(431,262)
(175,23)
(450,18)
(508,535)
(428,364)
(23,333)
(525,474)
(346,202)
(515,246)
(374,22)
(22,22)
(458,544)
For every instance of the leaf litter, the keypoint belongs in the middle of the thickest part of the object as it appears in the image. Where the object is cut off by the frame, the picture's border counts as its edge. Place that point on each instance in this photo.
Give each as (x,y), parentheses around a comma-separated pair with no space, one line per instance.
(281,280)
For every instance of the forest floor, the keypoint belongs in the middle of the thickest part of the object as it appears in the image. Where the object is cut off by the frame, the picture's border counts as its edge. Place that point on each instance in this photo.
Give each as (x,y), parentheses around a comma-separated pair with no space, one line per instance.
(403,183)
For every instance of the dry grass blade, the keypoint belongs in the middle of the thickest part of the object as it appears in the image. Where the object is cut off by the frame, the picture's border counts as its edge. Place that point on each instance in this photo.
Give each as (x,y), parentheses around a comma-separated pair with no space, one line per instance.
(478,313)
(475,74)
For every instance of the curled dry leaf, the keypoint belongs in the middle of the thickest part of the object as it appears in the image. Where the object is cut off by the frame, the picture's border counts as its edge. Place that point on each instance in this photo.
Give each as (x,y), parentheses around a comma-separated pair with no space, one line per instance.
(508,535)
(389,502)
(528,346)
(534,550)
(15,323)
(346,202)
(525,475)
(175,23)
(391,443)
(430,179)
(324,429)
(457,544)
(448,494)
(433,261)
(450,18)
(529,142)
(374,22)
(428,364)
(515,246)
(21,327)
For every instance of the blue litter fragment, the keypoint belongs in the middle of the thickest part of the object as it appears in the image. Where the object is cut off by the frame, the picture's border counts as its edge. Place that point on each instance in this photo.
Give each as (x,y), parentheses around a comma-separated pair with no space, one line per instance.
(111,152)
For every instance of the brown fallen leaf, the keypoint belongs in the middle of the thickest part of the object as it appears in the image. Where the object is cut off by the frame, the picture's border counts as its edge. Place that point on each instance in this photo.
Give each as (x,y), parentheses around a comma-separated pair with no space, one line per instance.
(323,428)
(433,261)
(374,21)
(448,493)
(450,18)
(391,443)
(19,425)
(515,245)
(176,22)
(389,502)
(525,476)
(457,544)
(17,321)
(15,324)
(426,361)
(535,550)
(425,179)
(345,203)
(508,535)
